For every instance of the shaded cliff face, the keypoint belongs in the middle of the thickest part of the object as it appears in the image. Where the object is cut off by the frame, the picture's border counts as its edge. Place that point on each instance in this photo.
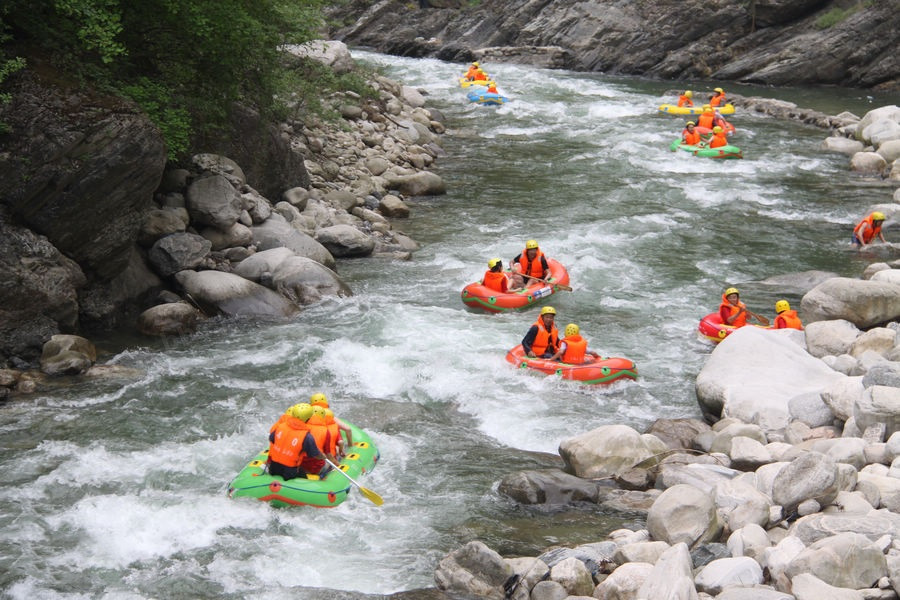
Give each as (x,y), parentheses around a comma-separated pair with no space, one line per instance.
(776,42)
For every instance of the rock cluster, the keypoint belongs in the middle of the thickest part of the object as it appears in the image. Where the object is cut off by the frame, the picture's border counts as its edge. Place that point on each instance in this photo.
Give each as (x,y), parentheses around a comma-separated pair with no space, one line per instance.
(792,494)
(872,142)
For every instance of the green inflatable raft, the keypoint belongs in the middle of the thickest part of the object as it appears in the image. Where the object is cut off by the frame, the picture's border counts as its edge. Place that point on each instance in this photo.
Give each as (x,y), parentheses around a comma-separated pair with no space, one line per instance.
(720,152)
(255,482)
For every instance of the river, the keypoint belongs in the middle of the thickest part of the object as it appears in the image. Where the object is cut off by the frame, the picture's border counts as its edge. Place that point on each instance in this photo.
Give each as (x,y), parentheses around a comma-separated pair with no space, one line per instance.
(116,490)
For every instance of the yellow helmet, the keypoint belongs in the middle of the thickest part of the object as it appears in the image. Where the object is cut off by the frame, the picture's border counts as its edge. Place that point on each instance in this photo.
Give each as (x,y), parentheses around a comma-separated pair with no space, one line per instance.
(319,399)
(548,310)
(329,414)
(717,129)
(302,411)
(732,290)
(689,93)
(319,411)
(475,63)
(877,216)
(493,263)
(781,306)
(531,244)
(707,107)
(689,123)
(720,90)
(571,329)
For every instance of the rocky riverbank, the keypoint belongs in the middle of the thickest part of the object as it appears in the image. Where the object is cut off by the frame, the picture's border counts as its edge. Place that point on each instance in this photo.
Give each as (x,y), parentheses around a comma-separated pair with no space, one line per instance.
(201,241)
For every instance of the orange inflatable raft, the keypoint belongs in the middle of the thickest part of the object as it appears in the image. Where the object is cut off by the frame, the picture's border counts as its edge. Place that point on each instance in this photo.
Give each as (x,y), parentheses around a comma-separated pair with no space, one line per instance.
(713,329)
(597,371)
(477,296)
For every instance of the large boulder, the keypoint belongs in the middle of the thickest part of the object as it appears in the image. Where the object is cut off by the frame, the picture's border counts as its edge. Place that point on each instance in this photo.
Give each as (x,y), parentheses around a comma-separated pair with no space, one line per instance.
(753,374)
(79,168)
(178,252)
(174,318)
(225,293)
(604,451)
(548,486)
(473,569)
(863,303)
(684,514)
(67,355)
(275,232)
(345,241)
(847,560)
(306,281)
(213,201)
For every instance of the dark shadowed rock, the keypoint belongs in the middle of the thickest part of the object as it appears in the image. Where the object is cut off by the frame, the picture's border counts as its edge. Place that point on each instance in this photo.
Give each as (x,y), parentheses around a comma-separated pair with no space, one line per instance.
(548,486)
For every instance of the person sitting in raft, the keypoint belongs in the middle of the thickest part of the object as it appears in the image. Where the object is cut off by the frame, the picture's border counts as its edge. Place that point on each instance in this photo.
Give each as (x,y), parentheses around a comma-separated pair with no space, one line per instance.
(320,399)
(480,76)
(542,339)
(685,98)
(492,89)
(689,135)
(865,231)
(707,118)
(573,348)
(473,69)
(290,443)
(718,97)
(785,317)
(532,261)
(719,138)
(495,279)
(326,441)
(732,311)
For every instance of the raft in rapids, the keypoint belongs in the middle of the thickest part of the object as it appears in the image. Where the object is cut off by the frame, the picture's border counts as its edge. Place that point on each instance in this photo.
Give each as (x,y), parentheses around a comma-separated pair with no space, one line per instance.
(594,371)
(478,297)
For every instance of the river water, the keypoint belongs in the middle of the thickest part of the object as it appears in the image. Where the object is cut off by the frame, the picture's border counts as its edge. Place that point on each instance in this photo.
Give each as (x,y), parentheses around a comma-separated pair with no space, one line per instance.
(117,489)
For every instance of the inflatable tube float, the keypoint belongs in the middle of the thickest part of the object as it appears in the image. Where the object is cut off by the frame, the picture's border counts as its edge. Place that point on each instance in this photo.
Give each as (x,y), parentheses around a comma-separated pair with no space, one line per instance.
(671,109)
(465,83)
(713,329)
(255,482)
(597,371)
(727,151)
(478,297)
(482,96)
(729,129)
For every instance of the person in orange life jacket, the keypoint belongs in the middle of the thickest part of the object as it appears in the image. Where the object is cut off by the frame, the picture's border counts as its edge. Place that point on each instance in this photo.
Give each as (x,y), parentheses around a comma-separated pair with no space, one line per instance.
(325,442)
(718,98)
(785,317)
(533,262)
(685,98)
(480,75)
(495,278)
(573,348)
(542,339)
(732,310)
(473,69)
(290,443)
(718,139)
(320,399)
(707,117)
(865,231)
(690,135)
(492,89)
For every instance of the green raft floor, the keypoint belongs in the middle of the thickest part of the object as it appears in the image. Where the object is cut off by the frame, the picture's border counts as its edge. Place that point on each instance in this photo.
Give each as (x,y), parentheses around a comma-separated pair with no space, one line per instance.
(253,481)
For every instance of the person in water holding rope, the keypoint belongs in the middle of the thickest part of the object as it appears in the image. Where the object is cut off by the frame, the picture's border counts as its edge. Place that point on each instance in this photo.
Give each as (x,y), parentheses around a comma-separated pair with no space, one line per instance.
(786,317)
(542,339)
(290,443)
(573,348)
(734,312)
(532,261)
(866,230)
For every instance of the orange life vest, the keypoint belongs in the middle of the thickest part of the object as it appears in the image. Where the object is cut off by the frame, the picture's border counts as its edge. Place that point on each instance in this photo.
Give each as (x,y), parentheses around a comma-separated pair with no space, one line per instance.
(871,231)
(707,120)
(287,449)
(718,140)
(470,74)
(691,138)
(718,100)
(482,76)
(545,339)
(741,320)
(498,282)
(492,89)
(685,101)
(533,268)
(788,319)
(576,347)
(334,433)
(319,430)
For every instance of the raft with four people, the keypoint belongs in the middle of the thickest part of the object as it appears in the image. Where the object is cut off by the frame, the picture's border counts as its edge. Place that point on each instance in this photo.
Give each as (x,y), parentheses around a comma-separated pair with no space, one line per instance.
(477,296)
(672,109)
(593,371)
(254,481)
(727,151)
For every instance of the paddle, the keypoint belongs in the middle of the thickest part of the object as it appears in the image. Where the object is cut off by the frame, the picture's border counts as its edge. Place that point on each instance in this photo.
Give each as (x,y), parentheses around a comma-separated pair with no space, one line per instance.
(763,320)
(559,285)
(372,496)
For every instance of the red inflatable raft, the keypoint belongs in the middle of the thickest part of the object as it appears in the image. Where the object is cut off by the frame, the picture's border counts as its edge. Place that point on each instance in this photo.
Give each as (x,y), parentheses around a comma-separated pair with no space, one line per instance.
(479,297)
(713,329)
(596,372)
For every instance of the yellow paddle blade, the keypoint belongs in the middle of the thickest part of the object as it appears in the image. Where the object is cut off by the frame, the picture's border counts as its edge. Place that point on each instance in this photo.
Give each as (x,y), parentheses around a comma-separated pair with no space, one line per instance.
(375,498)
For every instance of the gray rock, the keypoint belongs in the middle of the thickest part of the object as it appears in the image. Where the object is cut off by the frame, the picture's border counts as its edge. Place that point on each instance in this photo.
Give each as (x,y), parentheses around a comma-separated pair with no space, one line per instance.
(178,252)
(176,318)
(473,569)
(684,514)
(728,572)
(812,475)
(863,303)
(345,241)
(305,281)
(213,201)
(276,233)
(159,223)
(548,486)
(225,293)
(67,355)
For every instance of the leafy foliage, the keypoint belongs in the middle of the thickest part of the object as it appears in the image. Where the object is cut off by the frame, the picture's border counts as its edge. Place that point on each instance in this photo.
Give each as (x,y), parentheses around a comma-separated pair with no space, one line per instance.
(186,62)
